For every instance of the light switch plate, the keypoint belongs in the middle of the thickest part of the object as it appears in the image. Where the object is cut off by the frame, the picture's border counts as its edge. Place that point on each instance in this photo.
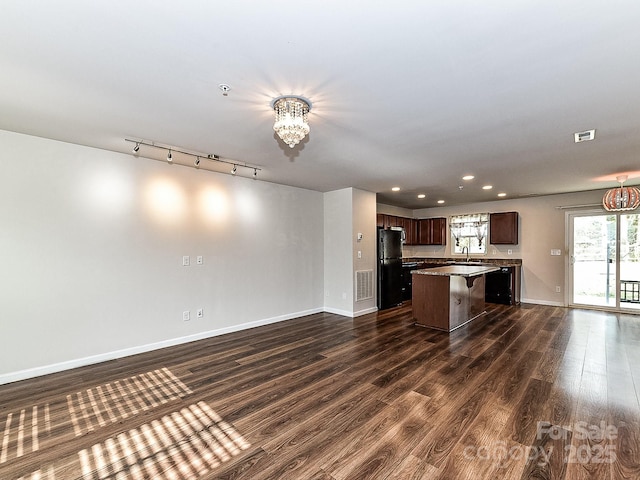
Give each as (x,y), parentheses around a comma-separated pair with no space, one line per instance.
(199,260)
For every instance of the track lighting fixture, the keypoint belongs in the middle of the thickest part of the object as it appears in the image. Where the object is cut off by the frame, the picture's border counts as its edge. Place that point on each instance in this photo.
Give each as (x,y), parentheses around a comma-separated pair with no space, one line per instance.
(198,157)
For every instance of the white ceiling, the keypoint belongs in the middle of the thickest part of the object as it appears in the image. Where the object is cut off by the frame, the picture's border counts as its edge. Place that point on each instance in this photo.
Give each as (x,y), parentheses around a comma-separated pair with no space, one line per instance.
(410,93)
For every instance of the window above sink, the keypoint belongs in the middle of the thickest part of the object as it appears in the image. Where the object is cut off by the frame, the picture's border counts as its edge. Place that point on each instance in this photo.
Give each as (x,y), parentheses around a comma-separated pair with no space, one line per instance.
(469,233)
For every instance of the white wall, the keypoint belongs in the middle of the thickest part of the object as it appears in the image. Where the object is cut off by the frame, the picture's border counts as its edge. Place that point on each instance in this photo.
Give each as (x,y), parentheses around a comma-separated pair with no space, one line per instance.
(338,251)
(91,244)
(393,210)
(348,212)
(364,221)
(542,228)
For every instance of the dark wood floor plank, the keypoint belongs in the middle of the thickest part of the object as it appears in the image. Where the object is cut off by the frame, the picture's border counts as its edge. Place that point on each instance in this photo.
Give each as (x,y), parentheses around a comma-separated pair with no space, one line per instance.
(329,398)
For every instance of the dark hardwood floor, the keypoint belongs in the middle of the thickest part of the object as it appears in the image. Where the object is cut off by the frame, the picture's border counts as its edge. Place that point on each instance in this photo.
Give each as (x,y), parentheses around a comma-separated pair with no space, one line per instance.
(524,392)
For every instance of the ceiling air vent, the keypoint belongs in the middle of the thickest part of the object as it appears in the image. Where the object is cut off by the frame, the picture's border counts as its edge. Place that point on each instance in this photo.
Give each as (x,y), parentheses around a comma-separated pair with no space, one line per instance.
(584,136)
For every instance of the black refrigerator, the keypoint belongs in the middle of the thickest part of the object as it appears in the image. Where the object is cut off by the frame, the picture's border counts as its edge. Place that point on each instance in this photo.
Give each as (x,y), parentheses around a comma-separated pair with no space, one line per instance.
(389,268)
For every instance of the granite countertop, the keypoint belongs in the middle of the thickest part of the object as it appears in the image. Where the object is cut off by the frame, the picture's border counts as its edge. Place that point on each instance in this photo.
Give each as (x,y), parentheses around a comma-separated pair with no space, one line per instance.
(457,270)
(500,262)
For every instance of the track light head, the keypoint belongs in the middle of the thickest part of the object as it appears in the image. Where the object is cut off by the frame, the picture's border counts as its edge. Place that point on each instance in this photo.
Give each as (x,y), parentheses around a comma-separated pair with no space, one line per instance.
(169,157)
(234,170)
(197,162)
(136,149)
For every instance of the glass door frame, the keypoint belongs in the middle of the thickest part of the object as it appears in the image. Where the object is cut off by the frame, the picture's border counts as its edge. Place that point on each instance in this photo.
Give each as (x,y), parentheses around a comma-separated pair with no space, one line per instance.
(569,289)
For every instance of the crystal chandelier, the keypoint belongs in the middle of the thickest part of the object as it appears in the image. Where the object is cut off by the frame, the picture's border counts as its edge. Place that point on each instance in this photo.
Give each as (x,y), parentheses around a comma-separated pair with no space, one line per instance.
(291,124)
(622,198)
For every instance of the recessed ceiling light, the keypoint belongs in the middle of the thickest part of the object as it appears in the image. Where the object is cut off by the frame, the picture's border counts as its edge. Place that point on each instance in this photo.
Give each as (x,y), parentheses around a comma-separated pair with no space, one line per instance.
(422,195)
(487,187)
(502,194)
(395,189)
(468,177)
(440,201)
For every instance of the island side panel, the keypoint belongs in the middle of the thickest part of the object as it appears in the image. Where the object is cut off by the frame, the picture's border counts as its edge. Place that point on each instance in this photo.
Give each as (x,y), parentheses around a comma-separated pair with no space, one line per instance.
(458,301)
(430,301)
(476,296)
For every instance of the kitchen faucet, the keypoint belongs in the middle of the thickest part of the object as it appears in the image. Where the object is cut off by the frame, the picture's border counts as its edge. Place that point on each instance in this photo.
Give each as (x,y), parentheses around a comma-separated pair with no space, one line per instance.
(467,251)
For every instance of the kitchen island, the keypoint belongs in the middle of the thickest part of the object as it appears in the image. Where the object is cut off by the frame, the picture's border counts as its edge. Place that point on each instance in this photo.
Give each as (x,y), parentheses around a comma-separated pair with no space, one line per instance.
(447,297)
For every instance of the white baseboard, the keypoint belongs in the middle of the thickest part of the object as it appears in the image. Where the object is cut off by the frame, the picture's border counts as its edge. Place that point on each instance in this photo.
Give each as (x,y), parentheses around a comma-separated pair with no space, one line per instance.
(542,302)
(103,357)
(365,311)
(346,313)
(337,311)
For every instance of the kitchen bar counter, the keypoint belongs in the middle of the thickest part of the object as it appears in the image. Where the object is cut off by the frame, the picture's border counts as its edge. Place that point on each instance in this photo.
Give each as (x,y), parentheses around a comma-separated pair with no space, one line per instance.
(458,270)
(500,262)
(447,297)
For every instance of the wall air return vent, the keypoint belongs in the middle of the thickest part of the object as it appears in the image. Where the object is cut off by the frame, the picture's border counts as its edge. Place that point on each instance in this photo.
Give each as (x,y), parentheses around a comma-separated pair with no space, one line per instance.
(364,285)
(584,136)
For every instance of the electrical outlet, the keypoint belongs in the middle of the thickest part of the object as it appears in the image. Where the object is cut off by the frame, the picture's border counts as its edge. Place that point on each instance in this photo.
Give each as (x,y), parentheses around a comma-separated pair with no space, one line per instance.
(185,316)
(200,313)
(558,289)
(359,254)
(186,261)
(199,260)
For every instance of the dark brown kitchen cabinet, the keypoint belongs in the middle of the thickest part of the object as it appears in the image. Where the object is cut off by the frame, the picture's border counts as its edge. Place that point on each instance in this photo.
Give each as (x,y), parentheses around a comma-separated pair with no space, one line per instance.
(432,231)
(386,221)
(409,225)
(503,228)
(411,230)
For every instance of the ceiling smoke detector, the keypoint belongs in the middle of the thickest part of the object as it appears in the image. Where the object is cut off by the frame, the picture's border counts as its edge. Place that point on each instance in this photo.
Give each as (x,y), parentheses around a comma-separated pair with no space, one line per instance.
(584,136)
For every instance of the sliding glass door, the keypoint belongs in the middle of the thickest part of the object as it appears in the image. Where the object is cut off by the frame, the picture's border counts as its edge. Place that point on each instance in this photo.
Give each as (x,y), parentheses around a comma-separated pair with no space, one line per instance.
(629,261)
(604,260)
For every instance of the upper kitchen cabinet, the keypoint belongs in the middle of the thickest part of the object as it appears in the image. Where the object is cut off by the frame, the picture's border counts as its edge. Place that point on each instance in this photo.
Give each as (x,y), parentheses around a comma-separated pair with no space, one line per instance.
(503,228)
(386,221)
(432,231)
(410,226)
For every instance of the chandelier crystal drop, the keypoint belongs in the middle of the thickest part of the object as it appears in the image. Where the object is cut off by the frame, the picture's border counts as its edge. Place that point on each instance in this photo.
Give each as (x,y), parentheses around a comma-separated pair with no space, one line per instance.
(621,199)
(292,123)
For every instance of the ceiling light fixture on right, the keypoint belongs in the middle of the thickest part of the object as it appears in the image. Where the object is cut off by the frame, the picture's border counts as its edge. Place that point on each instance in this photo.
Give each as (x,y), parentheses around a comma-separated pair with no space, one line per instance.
(292,122)
(621,199)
